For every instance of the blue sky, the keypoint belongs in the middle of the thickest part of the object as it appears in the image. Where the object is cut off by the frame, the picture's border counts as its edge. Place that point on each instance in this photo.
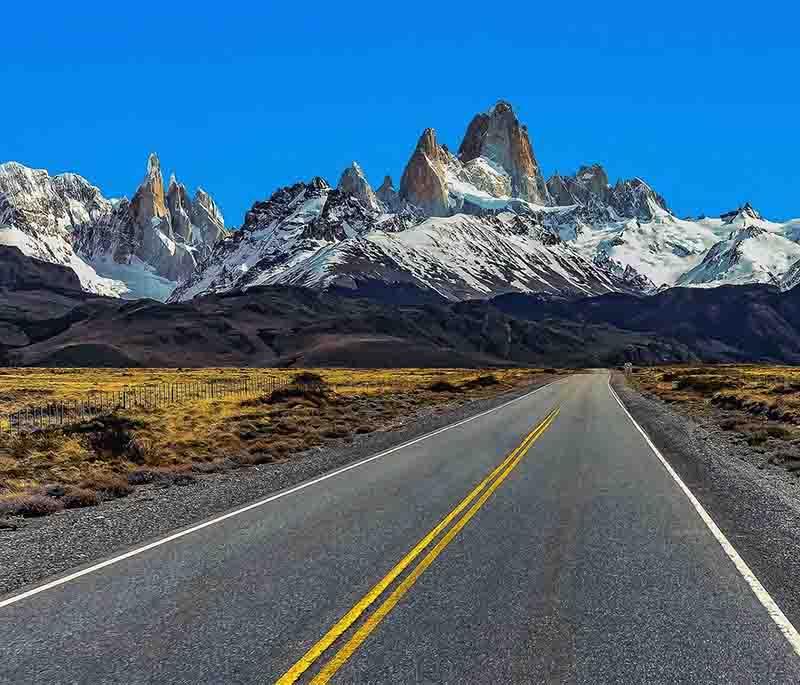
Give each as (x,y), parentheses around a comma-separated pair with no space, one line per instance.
(700,99)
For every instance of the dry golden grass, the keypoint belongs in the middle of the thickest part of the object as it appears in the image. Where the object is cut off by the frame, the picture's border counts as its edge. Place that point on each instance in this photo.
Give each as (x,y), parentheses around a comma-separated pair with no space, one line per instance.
(102,458)
(763,401)
(772,391)
(20,387)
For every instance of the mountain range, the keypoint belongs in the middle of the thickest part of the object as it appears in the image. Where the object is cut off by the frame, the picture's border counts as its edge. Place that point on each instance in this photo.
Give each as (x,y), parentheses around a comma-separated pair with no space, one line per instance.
(62,325)
(477,223)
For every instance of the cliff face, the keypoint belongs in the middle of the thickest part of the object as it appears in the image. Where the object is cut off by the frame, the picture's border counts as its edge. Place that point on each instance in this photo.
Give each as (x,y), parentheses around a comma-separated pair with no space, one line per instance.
(353,182)
(499,137)
(424,181)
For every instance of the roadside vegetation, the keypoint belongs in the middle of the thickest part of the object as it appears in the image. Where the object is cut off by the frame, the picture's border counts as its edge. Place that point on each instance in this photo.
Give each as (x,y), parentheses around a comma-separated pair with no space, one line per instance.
(760,403)
(83,464)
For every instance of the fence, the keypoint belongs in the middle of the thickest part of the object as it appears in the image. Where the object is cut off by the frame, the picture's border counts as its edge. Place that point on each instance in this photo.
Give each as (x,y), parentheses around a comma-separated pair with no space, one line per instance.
(146,397)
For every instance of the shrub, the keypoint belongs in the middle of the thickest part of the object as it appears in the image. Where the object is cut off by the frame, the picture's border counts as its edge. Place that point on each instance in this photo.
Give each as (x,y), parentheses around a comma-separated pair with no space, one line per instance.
(29,505)
(443,386)
(758,437)
(702,384)
(778,432)
(308,378)
(485,381)
(75,497)
(215,466)
(161,476)
(110,434)
(317,395)
(254,458)
(336,431)
(107,486)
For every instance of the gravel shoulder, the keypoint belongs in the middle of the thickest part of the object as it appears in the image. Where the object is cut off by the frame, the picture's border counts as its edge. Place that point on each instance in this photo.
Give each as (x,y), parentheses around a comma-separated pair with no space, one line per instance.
(756,504)
(48,546)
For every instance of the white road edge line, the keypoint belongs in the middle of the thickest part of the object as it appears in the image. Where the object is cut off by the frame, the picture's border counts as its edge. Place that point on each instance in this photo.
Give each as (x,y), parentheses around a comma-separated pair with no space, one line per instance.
(260,503)
(774,611)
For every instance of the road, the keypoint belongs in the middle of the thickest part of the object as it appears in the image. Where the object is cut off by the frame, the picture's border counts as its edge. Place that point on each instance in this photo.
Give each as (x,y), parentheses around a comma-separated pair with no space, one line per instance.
(543,542)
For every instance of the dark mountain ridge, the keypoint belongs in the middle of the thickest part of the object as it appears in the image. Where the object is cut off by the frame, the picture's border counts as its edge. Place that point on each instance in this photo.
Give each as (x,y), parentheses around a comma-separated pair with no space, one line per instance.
(293,326)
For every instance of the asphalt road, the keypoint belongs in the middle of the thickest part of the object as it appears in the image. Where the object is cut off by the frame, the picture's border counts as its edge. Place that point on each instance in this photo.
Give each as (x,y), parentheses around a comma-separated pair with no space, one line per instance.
(544,542)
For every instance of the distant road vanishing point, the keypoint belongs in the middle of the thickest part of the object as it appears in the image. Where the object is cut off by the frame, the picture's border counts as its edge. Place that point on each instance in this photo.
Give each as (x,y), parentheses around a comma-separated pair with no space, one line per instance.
(544,541)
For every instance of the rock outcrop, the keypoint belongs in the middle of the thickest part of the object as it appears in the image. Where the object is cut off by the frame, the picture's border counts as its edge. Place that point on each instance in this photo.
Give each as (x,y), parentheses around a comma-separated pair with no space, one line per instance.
(424,182)
(745,214)
(498,136)
(590,182)
(353,182)
(207,221)
(635,198)
(632,198)
(388,195)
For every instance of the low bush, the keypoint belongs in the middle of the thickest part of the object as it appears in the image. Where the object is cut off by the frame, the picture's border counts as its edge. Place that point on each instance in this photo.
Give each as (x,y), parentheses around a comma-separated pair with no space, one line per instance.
(443,386)
(161,476)
(778,432)
(703,384)
(107,486)
(254,458)
(308,378)
(316,395)
(29,505)
(486,381)
(758,437)
(75,498)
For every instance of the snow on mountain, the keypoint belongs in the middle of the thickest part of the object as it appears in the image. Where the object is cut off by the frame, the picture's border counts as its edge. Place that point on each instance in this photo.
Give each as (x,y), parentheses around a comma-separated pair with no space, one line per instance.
(631,224)
(120,248)
(473,224)
(753,251)
(485,222)
(311,235)
(38,213)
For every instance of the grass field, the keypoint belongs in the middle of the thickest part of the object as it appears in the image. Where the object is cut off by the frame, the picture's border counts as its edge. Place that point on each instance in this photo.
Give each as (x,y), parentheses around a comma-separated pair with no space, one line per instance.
(82,464)
(762,403)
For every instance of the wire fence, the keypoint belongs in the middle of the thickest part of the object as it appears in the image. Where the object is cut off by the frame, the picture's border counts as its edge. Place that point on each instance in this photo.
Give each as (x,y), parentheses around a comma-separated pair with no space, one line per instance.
(144,397)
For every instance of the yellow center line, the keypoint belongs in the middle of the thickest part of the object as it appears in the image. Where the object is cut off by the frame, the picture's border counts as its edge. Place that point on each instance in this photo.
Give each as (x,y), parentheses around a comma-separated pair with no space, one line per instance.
(339,659)
(341,626)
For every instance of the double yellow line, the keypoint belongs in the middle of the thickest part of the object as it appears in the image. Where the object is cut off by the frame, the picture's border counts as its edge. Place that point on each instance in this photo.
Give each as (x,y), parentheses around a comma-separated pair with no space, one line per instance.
(477,498)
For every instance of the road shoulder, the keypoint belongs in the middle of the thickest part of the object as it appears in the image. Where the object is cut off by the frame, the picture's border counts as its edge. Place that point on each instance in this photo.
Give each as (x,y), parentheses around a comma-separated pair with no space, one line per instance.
(757,511)
(52,545)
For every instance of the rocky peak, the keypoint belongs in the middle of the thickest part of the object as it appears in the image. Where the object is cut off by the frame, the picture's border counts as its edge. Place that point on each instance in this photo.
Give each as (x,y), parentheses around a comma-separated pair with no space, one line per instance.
(179,209)
(595,178)
(590,183)
(498,136)
(635,198)
(743,213)
(148,202)
(355,183)
(207,219)
(388,195)
(589,187)
(424,182)
(283,202)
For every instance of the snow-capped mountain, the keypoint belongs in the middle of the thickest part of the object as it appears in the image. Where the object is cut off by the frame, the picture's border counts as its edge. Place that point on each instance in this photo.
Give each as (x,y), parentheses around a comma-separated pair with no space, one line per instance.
(477,223)
(469,225)
(312,235)
(123,248)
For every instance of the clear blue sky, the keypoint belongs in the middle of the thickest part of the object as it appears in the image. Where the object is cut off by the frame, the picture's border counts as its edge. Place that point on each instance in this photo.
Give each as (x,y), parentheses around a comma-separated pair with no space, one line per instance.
(700,99)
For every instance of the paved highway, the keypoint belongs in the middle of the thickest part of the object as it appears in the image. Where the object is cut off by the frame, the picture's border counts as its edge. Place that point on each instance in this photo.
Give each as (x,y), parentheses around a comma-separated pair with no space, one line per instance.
(542,542)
